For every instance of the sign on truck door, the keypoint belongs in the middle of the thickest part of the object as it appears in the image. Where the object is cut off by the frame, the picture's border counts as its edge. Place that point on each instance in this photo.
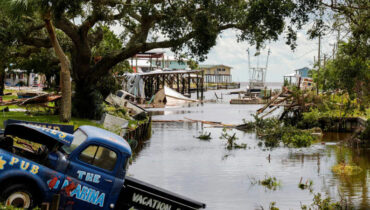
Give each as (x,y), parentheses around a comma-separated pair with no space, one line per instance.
(93,168)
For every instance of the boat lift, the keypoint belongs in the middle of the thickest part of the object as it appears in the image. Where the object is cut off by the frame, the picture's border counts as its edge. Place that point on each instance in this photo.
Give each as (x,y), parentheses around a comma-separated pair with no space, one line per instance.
(257,75)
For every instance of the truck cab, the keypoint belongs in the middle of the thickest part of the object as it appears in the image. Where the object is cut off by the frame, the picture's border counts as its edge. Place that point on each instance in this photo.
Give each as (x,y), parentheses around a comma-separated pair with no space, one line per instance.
(87,169)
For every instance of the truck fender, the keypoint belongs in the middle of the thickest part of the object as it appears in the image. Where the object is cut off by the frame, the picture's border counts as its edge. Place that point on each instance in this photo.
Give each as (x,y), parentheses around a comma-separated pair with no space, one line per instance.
(17,176)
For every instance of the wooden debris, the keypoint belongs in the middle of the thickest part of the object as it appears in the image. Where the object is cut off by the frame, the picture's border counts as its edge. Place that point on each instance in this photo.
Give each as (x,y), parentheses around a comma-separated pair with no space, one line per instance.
(259,111)
(270,112)
(41,99)
(205,122)
(37,100)
(188,120)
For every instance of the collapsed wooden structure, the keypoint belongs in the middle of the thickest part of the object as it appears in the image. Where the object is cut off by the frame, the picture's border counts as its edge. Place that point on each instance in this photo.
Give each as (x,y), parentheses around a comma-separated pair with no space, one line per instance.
(183,81)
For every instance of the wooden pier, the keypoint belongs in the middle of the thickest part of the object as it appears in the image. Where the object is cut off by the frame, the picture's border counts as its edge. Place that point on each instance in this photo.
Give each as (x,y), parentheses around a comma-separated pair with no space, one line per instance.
(183,81)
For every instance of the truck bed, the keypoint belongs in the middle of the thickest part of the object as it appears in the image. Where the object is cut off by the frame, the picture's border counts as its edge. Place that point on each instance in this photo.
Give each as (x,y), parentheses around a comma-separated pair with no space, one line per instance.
(141,196)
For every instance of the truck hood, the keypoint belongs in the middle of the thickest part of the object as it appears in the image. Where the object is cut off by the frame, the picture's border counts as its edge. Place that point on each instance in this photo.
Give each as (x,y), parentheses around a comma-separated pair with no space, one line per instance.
(41,135)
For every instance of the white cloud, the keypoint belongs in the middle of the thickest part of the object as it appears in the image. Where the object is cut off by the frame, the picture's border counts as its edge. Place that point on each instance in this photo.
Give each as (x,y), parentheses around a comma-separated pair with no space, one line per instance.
(282,59)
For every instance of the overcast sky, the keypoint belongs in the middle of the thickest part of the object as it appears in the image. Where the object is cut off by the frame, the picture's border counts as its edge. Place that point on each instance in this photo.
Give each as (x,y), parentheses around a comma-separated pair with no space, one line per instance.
(282,59)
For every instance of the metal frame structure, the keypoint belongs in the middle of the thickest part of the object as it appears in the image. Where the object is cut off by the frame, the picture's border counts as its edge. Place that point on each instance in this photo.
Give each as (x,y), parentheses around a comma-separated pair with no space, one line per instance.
(257,75)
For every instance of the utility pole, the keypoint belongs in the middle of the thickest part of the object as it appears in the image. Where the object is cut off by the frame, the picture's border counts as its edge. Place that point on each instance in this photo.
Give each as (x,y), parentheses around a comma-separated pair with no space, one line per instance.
(319,64)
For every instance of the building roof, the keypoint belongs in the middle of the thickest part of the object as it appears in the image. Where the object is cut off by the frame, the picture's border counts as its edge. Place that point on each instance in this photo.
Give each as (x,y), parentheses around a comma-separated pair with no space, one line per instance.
(291,75)
(208,66)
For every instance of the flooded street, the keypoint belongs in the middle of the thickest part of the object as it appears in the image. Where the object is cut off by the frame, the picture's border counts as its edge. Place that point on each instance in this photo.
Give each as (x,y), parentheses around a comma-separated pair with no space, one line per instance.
(206,171)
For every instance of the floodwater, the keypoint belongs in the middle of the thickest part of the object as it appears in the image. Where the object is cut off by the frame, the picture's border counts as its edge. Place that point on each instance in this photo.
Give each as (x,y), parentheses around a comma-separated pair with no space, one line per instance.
(225,179)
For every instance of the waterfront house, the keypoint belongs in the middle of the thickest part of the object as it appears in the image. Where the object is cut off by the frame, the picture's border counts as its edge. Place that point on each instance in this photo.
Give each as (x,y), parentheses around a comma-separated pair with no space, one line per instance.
(303,74)
(152,61)
(17,77)
(218,73)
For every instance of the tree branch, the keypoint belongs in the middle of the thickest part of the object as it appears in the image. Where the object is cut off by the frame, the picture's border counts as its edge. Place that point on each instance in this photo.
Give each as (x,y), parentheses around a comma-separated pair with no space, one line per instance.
(27,53)
(67,27)
(37,42)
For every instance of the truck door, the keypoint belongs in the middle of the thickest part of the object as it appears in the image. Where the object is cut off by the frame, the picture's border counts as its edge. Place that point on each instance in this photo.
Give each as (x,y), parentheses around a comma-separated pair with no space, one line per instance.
(92,172)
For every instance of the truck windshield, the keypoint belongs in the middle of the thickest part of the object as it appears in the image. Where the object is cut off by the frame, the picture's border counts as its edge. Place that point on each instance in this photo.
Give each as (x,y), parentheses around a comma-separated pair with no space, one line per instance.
(78,138)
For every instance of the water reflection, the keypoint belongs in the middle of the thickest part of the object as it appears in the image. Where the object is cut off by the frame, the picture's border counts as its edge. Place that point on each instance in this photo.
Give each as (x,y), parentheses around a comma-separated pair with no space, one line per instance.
(204,170)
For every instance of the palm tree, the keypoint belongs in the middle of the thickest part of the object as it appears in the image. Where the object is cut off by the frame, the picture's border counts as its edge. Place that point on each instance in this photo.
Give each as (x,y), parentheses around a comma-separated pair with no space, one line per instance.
(42,8)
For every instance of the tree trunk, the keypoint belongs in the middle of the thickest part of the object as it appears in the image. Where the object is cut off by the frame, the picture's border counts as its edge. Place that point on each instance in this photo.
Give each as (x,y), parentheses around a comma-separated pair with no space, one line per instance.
(65,80)
(87,100)
(2,79)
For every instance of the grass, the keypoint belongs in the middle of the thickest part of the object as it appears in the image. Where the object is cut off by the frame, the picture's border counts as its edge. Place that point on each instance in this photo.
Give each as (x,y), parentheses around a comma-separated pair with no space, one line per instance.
(76,122)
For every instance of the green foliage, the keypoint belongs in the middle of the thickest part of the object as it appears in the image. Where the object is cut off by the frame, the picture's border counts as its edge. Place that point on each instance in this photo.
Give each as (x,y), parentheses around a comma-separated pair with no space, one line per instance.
(348,70)
(297,138)
(193,64)
(286,83)
(204,135)
(365,135)
(231,144)
(96,52)
(87,103)
(307,185)
(324,204)
(273,206)
(118,112)
(273,131)
(270,183)
(346,169)
(310,119)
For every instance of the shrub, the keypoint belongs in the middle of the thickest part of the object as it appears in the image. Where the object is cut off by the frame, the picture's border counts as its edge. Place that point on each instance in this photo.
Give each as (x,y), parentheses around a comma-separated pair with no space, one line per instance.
(297,138)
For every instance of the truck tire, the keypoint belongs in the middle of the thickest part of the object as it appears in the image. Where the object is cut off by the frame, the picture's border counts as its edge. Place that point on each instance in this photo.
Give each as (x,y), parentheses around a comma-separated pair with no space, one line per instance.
(19,196)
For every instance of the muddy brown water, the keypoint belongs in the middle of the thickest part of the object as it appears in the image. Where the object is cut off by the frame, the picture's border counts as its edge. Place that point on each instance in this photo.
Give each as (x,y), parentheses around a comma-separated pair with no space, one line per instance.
(224,179)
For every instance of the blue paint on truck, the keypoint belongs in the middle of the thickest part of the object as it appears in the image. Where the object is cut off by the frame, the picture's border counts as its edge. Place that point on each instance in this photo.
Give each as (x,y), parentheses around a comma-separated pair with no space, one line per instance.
(87,169)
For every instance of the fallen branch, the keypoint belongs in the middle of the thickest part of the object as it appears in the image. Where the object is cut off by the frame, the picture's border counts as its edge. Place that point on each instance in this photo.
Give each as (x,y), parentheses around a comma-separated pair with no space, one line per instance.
(259,111)
(270,112)
(205,122)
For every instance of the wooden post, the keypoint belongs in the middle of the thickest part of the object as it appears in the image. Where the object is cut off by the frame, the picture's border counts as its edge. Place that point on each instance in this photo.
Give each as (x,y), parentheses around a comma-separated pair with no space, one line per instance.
(157,83)
(183,84)
(189,82)
(197,85)
(163,80)
(178,83)
(202,86)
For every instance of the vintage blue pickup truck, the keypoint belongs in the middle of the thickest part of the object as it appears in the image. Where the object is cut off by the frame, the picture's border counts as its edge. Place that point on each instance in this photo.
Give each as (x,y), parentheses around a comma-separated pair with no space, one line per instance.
(87,169)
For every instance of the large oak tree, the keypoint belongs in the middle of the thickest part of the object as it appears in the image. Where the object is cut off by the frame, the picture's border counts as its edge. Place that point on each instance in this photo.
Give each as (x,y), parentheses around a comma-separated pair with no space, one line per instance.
(187,26)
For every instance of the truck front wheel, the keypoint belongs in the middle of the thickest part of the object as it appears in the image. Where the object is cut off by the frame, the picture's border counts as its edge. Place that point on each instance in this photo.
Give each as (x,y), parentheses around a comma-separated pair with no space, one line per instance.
(19,196)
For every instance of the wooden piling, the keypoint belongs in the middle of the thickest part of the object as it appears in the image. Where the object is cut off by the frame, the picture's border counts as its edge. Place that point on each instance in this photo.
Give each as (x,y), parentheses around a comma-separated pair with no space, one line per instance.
(183,84)
(189,83)
(202,86)
(197,86)
(178,83)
